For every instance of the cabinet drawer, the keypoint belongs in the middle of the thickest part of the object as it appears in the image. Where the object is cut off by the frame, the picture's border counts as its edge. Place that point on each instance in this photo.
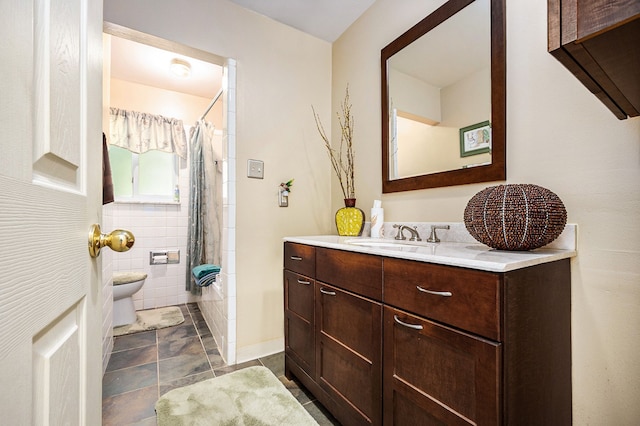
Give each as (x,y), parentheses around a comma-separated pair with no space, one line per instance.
(299,295)
(359,273)
(436,375)
(349,364)
(300,258)
(463,298)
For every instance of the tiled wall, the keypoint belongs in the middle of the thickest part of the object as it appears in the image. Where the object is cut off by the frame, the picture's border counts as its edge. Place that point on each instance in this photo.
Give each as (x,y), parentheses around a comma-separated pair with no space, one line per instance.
(156,227)
(218,301)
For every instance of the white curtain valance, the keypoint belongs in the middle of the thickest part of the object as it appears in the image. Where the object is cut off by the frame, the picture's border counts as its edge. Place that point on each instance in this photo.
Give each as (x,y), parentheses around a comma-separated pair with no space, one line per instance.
(140,132)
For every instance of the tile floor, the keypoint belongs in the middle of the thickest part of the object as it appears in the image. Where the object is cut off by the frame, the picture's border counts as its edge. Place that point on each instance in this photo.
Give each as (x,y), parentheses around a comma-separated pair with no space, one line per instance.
(145,365)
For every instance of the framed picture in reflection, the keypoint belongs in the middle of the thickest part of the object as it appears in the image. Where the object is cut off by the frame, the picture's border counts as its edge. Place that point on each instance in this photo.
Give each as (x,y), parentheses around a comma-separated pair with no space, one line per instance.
(475,139)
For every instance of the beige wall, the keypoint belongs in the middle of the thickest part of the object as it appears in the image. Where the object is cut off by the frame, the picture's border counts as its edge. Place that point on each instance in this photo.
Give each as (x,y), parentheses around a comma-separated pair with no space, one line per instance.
(281,73)
(151,100)
(559,136)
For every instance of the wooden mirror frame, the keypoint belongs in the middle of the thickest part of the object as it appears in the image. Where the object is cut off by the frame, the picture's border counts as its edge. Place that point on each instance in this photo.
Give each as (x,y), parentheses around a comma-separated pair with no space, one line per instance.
(497,170)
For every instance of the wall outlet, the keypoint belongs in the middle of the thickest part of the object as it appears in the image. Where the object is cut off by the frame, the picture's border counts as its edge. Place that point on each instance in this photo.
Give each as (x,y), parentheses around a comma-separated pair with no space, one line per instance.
(255,169)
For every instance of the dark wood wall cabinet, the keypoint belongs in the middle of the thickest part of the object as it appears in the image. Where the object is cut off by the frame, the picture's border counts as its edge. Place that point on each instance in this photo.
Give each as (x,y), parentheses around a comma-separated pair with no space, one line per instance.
(390,341)
(599,42)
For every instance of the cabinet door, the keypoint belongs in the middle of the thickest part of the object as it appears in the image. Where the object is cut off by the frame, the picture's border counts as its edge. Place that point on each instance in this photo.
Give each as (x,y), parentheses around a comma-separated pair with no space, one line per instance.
(349,353)
(299,334)
(435,375)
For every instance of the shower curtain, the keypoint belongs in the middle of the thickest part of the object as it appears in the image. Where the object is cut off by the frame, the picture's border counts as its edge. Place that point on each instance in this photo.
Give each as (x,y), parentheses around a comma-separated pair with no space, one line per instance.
(205,202)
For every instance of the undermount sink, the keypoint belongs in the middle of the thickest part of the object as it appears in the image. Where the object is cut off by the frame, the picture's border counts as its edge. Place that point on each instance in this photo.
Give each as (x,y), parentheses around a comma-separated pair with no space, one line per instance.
(381,243)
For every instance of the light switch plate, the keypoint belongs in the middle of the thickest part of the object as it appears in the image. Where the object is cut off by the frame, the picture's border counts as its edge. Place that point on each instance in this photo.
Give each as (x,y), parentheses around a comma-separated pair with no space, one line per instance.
(255,169)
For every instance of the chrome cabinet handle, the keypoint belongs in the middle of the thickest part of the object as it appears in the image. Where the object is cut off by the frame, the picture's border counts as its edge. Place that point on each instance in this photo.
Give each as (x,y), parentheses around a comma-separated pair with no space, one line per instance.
(328,293)
(304,282)
(437,293)
(295,258)
(413,326)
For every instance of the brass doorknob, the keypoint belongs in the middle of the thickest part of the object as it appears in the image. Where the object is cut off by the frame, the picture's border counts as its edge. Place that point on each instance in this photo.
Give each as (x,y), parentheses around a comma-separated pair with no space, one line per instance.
(117,240)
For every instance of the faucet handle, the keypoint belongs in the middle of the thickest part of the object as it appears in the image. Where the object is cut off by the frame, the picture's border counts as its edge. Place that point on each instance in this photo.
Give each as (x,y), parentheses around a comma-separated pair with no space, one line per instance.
(433,238)
(399,235)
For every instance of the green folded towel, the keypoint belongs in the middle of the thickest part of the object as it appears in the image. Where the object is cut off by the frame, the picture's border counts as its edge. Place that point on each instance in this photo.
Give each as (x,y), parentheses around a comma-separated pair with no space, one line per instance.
(204,269)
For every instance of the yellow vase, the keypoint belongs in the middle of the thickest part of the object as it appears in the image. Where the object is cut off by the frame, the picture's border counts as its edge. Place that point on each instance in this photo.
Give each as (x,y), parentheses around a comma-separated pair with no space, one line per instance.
(350,219)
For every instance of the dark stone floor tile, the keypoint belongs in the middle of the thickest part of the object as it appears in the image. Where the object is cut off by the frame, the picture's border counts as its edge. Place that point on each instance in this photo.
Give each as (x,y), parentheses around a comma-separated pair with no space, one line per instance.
(182,366)
(129,379)
(206,334)
(135,340)
(231,368)
(149,421)
(297,390)
(185,381)
(177,332)
(132,357)
(130,408)
(275,363)
(215,359)
(187,346)
(209,344)
(320,414)
(201,324)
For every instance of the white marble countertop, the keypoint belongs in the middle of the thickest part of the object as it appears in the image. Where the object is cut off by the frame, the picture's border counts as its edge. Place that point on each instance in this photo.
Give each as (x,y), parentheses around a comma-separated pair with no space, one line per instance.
(464,254)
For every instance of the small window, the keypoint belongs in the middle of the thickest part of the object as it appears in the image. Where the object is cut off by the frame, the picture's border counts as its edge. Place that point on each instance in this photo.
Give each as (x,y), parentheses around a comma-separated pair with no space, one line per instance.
(148,177)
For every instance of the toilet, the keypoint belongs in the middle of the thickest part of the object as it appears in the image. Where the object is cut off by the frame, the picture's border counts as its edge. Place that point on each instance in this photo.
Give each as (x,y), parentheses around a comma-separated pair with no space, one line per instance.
(125,284)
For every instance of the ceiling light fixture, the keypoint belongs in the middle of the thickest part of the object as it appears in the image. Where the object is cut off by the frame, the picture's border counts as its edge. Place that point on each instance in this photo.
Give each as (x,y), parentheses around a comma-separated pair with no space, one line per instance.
(181,68)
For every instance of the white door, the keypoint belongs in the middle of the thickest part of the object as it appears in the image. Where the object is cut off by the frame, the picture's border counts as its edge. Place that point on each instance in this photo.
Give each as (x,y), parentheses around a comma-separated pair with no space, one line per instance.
(50,181)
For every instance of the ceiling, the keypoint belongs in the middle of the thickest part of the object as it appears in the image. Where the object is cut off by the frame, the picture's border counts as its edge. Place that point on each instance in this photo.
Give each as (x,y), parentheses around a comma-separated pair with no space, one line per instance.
(325,19)
(144,64)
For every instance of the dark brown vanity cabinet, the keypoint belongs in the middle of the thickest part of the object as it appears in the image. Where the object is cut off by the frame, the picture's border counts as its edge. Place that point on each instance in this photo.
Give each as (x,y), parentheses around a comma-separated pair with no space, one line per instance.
(348,352)
(442,350)
(599,42)
(437,375)
(299,307)
(333,329)
(401,342)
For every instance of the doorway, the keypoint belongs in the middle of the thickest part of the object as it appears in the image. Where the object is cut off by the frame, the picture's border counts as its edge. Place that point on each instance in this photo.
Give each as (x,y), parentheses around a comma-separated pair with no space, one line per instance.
(135,66)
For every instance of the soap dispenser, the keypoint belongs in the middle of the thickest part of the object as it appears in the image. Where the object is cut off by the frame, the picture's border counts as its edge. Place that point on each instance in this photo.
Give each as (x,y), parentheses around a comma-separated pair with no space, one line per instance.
(377,220)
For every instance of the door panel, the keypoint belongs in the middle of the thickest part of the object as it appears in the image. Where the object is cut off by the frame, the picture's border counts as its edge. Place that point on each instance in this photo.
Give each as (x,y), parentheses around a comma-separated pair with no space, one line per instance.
(450,375)
(349,352)
(299,320)
(50,178)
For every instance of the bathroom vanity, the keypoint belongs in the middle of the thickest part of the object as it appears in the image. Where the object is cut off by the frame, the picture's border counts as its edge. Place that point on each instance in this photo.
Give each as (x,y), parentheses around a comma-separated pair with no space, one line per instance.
(423,334)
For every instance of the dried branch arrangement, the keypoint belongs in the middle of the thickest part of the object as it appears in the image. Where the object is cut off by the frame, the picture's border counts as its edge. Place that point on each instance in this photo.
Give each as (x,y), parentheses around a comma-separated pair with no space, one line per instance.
(342,159)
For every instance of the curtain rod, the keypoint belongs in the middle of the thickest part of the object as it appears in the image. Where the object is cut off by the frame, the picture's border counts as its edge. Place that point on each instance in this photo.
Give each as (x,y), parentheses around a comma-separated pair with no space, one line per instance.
(215,99)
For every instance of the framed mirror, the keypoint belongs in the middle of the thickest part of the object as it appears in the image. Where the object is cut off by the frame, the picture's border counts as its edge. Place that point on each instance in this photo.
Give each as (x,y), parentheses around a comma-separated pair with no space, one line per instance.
(444,99)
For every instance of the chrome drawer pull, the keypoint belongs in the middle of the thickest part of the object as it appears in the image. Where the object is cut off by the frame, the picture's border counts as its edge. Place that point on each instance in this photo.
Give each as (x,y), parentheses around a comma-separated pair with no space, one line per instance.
(414,326)
(437,293)
(296,258)
(328,293)
(304,282)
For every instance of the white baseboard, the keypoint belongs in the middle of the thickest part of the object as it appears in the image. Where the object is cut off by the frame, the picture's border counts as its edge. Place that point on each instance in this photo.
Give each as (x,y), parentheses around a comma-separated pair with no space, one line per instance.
(259,350)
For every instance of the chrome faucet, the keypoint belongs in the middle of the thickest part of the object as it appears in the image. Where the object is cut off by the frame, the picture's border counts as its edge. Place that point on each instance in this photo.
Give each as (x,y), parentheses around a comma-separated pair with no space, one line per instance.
(414,233)
(433,238)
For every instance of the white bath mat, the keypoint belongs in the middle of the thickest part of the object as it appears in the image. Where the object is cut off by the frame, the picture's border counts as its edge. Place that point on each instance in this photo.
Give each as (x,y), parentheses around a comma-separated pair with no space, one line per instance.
(249,397)
(152,319)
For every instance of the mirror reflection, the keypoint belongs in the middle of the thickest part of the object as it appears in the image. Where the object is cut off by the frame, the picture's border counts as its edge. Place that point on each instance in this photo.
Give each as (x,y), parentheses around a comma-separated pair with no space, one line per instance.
(443,98)
(439,85)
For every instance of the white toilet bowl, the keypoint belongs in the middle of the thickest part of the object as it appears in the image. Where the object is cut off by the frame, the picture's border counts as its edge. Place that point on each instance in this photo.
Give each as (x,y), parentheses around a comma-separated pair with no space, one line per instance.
(125,285)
